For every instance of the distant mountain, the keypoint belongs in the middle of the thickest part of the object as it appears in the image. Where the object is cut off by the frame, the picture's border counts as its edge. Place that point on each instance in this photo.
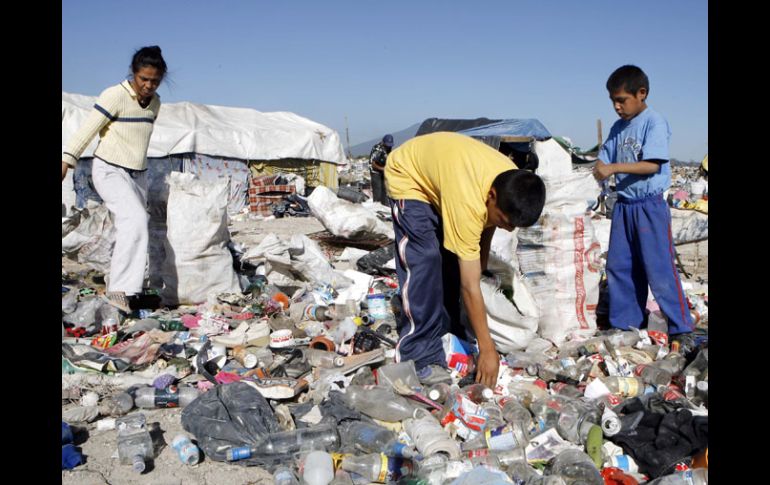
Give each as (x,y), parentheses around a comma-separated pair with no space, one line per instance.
(399,137)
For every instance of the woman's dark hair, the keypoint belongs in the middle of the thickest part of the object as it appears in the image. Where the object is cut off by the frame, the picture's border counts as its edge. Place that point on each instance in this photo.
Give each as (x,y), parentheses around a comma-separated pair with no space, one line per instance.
(521,196)
(630,78)
(148,56)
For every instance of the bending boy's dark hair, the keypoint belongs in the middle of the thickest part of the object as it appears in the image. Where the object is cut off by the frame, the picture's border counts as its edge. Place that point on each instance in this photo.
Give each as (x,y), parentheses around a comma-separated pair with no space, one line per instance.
(148,56)
(630,78)
(521,196)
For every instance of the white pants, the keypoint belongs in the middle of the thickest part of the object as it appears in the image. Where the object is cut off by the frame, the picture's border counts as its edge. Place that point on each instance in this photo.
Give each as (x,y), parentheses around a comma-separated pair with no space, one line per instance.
(125,194)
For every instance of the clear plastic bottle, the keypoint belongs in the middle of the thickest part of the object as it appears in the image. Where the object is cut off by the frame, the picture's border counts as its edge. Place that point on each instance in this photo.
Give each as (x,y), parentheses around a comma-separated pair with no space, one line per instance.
(186,450)
(478,393)
(134,441)
(653,375)
(341,477)
(494,414)
(576,418)
(514,412)
(695,476)
(566,390)
(318,437)
(624,386)
(323,358)
(555,370)
(657,327)
(508,437)
(378,402)
(575,467)
(318,468)
(699,365)
(116,405)
(440,392)
(673,362)
(378,467)
(283,475)
(526,392)
(372,438)
(170,397)
(623,338)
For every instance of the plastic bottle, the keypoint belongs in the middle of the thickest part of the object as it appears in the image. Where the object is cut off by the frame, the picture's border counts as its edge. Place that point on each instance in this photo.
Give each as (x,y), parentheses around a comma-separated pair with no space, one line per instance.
(441,391)
(186,450)
(575,467)
(318,468)
(553,370)
(494,414)
(372,438)
(323,358)
(593,346)
(283,475)
(307,310)
(653,375)
(624,386)
(478,393)
(623,338)
(508,437)
(134,441)
(116,405)
(576,418)
(378,467)
(673,362)
(657,327)
(526,392)
(695,476)
(318,437)
(567,390)
(378,402)
(699,365)
(170,397)
(345,331)
(514,412)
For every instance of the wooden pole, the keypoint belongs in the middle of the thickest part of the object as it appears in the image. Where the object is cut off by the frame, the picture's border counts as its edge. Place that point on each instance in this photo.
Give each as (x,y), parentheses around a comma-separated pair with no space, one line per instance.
(347,137)
(599,131)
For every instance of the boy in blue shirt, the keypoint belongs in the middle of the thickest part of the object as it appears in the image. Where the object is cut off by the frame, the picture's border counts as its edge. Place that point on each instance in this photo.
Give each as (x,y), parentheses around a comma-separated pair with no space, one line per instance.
(641,250)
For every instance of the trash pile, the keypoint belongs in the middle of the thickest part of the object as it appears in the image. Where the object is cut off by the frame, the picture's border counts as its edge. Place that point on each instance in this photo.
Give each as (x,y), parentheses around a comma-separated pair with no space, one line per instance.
(306,386)
(689,190)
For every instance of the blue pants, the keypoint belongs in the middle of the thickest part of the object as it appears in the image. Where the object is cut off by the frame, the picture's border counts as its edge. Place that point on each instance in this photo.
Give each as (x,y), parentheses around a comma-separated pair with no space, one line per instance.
(641,253)
(430,284)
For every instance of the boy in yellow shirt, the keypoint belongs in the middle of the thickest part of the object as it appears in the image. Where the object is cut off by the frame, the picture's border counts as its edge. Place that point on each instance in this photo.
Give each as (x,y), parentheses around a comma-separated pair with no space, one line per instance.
(448,193)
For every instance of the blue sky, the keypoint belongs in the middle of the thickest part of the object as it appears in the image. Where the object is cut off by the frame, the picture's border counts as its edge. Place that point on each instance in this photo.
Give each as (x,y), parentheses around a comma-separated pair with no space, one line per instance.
(388,65)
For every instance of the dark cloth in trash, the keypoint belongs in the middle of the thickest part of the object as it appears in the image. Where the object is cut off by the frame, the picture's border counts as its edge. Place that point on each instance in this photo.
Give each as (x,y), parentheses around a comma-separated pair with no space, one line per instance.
(660,441)
(231,415)
(374,262)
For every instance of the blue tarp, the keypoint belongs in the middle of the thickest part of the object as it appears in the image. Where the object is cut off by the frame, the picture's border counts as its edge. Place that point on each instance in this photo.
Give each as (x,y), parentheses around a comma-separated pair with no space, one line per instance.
(513,127)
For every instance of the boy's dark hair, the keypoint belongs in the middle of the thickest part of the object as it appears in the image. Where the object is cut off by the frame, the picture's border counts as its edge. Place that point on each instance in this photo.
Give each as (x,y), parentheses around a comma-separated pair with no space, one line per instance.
(521,196)
(629,78)
(148,56)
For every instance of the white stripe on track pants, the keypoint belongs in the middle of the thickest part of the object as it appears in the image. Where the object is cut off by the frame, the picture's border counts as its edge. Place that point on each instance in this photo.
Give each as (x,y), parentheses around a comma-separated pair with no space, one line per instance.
(125,195)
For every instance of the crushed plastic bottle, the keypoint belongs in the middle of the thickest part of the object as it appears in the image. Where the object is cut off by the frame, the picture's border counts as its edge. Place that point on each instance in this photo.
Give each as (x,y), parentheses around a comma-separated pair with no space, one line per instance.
(429,437)
(504,438)
(575,467)
(378,402)
(134,442)
(116,405)
(186,450)
(372,438)
(283,475)
(170,397)
(377,467)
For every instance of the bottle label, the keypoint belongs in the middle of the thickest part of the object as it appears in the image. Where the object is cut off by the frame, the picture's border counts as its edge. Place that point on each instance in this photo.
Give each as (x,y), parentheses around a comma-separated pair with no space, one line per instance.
(501,438)
(240,453)
(392,469)
(167,398)
(628,387)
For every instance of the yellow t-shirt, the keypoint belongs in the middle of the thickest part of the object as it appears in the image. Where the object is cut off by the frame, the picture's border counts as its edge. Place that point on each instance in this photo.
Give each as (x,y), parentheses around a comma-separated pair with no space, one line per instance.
(453,173)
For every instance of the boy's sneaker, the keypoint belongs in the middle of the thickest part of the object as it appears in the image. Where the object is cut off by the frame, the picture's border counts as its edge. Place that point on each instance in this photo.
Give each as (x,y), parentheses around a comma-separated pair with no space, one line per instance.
(434,374)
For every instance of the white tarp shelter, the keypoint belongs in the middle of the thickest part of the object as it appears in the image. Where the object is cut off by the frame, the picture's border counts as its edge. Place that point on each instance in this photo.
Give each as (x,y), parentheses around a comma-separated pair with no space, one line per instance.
(240,133)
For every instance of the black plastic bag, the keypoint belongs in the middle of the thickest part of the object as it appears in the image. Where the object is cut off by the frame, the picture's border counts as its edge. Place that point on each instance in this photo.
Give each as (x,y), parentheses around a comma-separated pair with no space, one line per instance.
(230,416)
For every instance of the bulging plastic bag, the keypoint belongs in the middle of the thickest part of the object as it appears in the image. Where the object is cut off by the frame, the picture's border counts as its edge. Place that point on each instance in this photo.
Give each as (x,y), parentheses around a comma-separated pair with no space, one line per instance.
(346,219)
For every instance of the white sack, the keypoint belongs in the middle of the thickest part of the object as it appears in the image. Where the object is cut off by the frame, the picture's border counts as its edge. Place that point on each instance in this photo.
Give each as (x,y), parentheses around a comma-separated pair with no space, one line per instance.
(346,219)
(93,238)
(198,262)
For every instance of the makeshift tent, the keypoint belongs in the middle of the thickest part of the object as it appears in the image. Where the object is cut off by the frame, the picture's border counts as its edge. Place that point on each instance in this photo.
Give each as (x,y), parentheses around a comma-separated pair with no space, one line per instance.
(223,141)
(432,125)
(512,137)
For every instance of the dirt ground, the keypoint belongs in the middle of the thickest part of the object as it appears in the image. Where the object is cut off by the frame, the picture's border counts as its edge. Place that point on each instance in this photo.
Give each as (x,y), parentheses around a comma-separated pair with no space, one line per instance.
(100,447)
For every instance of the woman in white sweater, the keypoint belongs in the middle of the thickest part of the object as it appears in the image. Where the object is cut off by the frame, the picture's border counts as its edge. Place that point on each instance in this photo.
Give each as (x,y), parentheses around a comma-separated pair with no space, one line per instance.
(123,116)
